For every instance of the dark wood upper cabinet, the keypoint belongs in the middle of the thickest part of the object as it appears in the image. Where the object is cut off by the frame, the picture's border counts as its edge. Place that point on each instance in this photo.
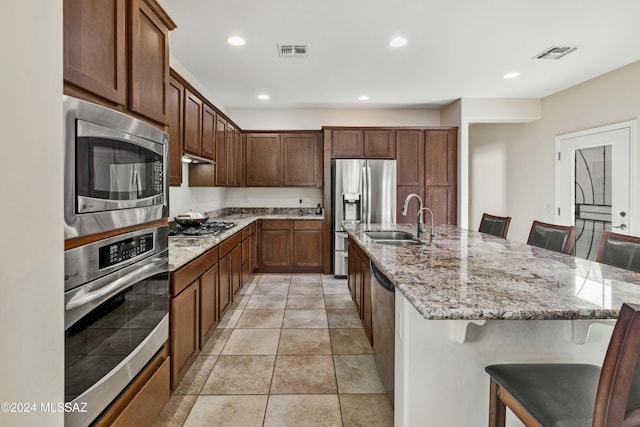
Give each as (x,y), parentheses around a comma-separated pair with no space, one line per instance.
(302,160)
(192,123)
(402,191)
(410,157)
(209,120)
(149,60)
(94,47)
(379,143)
(347,143)
(221,151)
(238,158)
(230,141)
(441,156)
(175,122)
(264,160)
(117,52)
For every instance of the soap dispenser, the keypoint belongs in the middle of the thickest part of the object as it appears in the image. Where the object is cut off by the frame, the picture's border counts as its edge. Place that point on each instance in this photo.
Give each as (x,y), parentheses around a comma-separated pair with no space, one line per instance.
(318,210)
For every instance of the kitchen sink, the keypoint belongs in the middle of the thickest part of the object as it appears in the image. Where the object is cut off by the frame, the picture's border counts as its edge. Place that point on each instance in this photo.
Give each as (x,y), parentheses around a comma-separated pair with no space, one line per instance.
(396,238)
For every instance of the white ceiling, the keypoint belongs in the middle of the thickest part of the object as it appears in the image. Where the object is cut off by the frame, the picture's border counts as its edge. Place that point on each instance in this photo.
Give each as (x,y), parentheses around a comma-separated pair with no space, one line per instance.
(456,48)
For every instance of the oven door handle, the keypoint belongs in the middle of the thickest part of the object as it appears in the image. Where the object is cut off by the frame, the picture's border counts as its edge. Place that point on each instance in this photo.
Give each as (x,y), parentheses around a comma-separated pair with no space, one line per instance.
(158,265)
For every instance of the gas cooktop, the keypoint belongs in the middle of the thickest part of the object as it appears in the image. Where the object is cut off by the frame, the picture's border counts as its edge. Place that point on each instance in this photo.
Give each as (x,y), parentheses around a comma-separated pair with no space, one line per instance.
(206,229)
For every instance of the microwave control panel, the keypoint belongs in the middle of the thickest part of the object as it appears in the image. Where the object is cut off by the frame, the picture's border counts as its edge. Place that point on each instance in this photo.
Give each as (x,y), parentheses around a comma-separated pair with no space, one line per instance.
(124,250)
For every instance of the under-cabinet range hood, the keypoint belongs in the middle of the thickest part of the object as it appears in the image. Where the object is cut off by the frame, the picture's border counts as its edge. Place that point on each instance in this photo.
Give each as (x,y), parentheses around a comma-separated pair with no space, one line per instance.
(190,158)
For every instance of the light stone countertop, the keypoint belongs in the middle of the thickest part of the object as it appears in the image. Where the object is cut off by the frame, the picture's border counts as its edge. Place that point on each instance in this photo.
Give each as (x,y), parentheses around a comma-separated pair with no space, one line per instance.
(183,250)
(465,274)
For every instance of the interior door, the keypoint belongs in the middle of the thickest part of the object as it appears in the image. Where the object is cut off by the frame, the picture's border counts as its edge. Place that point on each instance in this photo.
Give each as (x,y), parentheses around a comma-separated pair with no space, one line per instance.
(593,184)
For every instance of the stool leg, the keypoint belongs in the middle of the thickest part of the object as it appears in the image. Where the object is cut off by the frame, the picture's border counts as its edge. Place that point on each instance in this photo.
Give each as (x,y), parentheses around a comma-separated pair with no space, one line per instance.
(497,408)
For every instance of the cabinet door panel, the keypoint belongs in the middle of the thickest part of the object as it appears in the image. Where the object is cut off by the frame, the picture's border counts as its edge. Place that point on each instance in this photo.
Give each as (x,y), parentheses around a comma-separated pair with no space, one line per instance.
(347,143)
(221,152)
(192,123)
(184,332)
(148,62)
(224,285)
(379,144)
(302,160)
(275,248)
(231,155)
(264,160)
(307,248)
(440,151)
(209,119)
(208,304)
(236,269)
(366,301)
(442,201)
(238,160)
(410,157)
(94,47)
(175,122)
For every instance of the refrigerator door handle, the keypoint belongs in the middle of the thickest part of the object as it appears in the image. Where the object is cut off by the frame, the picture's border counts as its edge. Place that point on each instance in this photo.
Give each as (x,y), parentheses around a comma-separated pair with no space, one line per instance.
(364,208)
(369,208)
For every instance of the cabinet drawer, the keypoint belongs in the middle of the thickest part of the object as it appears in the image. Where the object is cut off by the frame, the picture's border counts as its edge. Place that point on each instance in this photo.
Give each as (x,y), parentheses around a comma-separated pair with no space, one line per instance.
(307,225)
(276,225)
(246,232)
(230,243)
(190,272)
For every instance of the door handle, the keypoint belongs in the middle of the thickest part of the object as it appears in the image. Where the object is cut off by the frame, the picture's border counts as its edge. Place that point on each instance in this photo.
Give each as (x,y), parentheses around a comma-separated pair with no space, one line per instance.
(621,226)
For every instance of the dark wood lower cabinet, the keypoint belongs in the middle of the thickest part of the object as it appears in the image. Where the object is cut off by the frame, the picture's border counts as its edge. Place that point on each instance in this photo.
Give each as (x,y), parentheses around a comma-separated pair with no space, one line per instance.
(208,304)
(224,285)
(236,269)
(290,246)
(144,398)
(359,283)
(185,336)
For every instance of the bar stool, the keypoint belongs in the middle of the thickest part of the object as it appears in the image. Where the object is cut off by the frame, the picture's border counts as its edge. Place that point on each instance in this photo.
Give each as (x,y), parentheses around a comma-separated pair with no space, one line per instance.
(574,395)
(495,225)
(619,250)
(559,238)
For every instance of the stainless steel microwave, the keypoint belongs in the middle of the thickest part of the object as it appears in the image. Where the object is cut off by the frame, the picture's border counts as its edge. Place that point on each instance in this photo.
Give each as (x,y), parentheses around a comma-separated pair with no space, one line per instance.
(116,170)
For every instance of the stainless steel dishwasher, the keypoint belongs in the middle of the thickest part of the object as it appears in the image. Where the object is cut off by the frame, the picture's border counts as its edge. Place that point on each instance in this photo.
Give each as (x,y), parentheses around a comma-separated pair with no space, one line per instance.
(383,302)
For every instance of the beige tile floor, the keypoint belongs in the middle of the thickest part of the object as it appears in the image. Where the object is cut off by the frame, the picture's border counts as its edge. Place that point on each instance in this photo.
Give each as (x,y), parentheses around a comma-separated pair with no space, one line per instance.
(290,352)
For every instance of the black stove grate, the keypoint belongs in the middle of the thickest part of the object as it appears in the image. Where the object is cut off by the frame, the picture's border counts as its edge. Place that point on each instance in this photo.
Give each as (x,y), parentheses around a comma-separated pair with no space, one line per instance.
(204,229)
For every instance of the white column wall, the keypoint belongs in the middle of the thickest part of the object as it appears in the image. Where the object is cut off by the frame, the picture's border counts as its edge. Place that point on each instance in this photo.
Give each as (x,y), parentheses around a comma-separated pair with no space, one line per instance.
(31,251)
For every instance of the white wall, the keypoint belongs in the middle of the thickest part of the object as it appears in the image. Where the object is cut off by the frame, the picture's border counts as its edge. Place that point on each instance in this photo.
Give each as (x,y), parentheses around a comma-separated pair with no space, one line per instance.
(198,199)
(31,249)
(309,119)
(530,182)
(488,170)
(286,197)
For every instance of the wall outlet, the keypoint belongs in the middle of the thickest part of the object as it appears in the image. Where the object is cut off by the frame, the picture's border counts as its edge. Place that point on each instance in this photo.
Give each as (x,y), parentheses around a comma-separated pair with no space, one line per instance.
(305,199)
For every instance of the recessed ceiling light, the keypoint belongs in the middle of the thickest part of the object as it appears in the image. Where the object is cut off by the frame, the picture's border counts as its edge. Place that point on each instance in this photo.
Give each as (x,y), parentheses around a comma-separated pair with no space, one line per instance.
(398,42)
(511,75)
(235,41)
(363,98)
(263,97)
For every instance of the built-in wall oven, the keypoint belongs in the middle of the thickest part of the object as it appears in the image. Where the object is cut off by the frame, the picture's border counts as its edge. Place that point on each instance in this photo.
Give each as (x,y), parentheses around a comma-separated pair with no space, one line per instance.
(115,170)
(116,316)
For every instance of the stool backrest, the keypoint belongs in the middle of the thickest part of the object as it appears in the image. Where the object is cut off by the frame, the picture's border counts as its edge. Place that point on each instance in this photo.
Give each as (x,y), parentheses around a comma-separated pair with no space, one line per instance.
(619,250)
(618,396)
(559,238)
(495,225)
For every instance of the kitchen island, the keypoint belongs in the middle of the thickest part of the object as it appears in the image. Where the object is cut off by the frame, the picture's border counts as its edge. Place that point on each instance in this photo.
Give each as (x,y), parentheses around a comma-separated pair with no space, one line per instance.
(468,299)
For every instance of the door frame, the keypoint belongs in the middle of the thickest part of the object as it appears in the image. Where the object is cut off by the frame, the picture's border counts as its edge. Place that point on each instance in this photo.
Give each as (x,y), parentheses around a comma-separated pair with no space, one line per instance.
(633,165)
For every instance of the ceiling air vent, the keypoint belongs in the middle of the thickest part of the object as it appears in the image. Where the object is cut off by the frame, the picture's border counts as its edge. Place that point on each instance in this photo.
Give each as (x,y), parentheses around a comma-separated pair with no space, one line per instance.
(555,52)
(293,50)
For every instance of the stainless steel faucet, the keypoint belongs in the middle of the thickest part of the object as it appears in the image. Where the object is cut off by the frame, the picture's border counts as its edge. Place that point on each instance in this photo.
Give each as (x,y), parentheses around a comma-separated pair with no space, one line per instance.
(420,219)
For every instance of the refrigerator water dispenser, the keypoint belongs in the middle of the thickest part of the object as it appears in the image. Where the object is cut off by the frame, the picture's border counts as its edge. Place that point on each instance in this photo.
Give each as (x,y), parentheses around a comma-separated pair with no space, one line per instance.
(351,206)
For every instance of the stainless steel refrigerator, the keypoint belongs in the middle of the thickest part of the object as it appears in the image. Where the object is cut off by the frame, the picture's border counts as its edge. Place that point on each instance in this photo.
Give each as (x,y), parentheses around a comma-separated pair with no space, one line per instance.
(362,191)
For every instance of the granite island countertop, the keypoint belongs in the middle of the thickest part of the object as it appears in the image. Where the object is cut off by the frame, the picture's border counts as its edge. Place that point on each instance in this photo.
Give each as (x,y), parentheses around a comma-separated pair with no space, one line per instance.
(183,250)
(465,274)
